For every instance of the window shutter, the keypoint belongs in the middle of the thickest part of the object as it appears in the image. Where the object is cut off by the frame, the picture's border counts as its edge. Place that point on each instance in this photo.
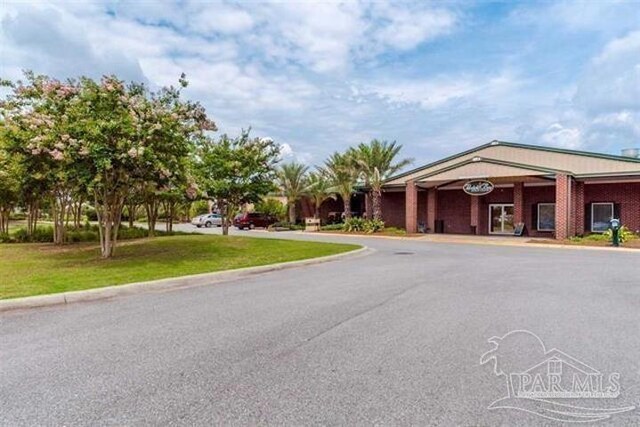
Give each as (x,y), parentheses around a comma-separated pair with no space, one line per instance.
(616,211)
(587,218)
(534,216)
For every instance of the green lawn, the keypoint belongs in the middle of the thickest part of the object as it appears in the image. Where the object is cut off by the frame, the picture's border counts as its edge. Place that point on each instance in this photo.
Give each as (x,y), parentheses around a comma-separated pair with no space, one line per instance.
(34,269)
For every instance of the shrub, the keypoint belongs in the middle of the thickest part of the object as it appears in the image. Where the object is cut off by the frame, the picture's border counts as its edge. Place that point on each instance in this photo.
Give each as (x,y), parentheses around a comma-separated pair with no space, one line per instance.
(272,207)
(624,233)
(40,235)
(200,207)
(332,227)
(75,236)
(17,216)
(355,225)
(90,213)
(126,233)
(287,225)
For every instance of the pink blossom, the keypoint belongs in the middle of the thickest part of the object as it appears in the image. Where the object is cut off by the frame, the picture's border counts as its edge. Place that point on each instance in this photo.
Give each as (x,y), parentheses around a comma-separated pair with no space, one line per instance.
(133,153)
(36,151)
(56,154)
(84,151)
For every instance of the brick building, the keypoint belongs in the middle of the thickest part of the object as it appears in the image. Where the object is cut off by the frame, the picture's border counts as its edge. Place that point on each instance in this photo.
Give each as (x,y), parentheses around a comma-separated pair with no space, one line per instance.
(501,186)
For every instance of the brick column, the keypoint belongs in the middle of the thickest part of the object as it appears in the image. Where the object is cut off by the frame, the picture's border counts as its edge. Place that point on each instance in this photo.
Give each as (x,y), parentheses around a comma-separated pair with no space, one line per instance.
(432,209)
(518,202)
(562,206)
(579,207)
(475,213)
(411,207)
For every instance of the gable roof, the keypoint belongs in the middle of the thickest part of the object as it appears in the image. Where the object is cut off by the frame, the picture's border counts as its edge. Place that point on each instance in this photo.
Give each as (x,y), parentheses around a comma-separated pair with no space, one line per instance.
(530,156)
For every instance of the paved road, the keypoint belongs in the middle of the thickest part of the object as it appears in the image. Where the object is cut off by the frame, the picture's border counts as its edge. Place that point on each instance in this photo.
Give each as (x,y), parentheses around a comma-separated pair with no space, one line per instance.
(394,337)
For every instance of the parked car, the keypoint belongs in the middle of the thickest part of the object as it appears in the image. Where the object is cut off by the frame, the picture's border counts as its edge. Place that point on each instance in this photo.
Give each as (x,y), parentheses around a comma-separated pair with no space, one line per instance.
(207,220)
(252,220)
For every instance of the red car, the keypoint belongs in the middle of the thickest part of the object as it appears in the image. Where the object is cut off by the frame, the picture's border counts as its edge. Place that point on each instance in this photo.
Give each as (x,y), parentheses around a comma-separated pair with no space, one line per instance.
(253,220)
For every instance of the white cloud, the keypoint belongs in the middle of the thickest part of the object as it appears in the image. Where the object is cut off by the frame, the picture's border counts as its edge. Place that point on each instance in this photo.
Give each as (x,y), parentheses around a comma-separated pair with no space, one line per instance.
(445,89)
(559,136)
(406,28)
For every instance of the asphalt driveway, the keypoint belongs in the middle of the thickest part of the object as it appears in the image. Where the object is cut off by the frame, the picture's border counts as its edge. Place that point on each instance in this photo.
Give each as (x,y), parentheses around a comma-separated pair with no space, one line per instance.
(394,337)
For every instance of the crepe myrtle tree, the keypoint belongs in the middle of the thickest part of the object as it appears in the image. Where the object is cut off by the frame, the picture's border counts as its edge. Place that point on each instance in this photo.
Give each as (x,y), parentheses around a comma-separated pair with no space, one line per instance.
(40,134)
(169,126)
(9,186)
(236,171)
(125,142)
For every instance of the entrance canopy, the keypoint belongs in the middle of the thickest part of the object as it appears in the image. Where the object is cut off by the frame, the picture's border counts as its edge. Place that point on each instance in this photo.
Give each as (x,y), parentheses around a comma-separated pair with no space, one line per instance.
(485,168)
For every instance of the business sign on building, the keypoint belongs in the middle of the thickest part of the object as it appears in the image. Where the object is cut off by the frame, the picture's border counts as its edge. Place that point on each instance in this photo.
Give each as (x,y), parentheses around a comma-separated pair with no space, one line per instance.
(478,187)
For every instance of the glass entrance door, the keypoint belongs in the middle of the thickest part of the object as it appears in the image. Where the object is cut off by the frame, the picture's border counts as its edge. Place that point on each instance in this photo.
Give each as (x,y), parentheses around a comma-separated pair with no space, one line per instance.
(501,219)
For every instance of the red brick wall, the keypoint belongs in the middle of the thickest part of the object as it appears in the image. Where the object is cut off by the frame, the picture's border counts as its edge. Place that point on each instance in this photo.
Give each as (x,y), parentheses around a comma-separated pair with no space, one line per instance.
(533,196)
(454,208)
(393,209)
(627,195)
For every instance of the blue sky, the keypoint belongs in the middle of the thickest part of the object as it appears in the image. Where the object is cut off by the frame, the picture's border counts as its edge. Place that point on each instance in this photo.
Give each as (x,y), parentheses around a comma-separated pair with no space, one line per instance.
(438,77)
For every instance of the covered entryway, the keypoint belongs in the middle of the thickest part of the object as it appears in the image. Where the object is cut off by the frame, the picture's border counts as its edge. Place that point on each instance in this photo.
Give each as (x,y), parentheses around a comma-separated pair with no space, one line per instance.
(503,188)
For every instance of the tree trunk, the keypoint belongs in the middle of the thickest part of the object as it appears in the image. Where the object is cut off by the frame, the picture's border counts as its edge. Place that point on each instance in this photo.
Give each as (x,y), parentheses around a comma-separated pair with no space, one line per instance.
(292,212)
(109,219)
(4,219)
(76,211)
(32,216)
(377,204)
(131,211)
(59,208)
(224,211)
(169,210)
(151,206)
(346,202)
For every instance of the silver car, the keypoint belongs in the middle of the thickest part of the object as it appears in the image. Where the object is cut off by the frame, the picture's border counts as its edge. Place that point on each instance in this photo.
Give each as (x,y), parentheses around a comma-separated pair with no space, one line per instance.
(207,220)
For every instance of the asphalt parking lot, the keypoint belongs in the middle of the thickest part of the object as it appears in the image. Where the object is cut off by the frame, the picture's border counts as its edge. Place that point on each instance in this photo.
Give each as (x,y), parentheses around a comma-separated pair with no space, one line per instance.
(394,337)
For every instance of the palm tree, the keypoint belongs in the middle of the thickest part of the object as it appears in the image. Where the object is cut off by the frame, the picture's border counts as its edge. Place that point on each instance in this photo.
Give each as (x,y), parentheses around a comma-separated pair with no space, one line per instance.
(343,174)
(319,188)
(292,179)
(376,162)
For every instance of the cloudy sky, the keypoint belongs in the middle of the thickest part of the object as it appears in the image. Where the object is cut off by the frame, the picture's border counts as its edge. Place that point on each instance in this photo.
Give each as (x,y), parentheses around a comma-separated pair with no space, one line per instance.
(319,76)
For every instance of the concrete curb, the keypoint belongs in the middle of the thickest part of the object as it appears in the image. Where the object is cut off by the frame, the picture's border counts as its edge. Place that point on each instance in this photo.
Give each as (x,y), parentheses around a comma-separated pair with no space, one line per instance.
(171,283)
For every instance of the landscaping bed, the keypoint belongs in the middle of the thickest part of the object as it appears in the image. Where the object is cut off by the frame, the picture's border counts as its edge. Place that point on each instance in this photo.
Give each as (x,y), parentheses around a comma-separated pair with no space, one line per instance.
(597,240)
(35,269)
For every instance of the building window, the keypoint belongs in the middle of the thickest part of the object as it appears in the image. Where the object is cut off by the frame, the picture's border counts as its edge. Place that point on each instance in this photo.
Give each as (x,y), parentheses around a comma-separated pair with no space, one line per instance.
(555,367)
(546,216)
(601,214)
